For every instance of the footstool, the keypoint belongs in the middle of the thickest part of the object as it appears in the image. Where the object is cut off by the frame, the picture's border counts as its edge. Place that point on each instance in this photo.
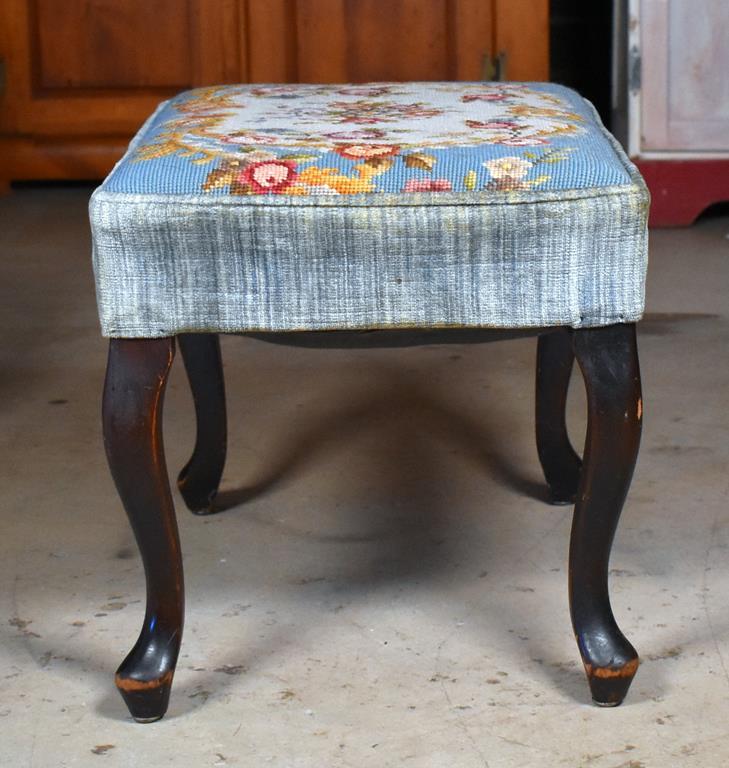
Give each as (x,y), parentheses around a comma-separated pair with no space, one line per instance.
(382,214)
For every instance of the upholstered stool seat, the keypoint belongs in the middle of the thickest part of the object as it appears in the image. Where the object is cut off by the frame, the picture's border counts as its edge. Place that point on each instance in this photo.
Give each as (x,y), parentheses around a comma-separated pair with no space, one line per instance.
(412,212)
(378,206)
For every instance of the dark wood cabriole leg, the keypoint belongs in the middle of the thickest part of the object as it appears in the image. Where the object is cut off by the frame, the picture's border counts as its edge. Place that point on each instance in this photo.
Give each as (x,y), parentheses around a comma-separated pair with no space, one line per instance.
(199,480)
(608,359)
(559,461)
(132,416)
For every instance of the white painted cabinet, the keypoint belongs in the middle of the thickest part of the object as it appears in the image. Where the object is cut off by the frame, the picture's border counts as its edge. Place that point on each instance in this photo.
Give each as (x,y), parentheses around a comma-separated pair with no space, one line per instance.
(671,101)
(685,75)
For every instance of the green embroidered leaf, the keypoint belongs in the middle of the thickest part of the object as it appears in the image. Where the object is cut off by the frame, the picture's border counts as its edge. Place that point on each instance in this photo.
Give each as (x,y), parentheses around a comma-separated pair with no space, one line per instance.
(298,157)
(555,155)
(469,180)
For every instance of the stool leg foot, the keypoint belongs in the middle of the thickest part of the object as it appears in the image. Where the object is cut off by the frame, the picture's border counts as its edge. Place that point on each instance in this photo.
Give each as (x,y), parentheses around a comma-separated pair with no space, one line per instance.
(560,463)
(608,358)
(132,416)
(199,480)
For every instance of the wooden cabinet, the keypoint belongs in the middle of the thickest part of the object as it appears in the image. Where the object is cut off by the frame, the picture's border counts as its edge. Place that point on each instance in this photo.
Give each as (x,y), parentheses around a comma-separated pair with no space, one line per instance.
(369,40)
(79,76)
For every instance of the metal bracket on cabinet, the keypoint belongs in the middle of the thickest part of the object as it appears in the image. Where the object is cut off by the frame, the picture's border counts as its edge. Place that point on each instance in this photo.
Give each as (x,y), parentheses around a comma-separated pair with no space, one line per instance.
(494,67)
(634,69)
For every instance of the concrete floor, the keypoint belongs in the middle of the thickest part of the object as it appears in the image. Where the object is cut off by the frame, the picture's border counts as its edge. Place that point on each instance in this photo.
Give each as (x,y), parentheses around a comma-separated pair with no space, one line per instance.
(393,590)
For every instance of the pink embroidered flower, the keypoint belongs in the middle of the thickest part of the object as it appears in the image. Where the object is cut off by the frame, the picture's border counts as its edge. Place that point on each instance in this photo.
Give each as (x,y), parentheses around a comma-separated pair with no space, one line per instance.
(366,151)
(255,156)
(525,142)
(269,176)
(493,125)
(365,134)
(427,185)
(248,137)
(484,97)
(367,112)
(365,90)
(277,91)
(419,110)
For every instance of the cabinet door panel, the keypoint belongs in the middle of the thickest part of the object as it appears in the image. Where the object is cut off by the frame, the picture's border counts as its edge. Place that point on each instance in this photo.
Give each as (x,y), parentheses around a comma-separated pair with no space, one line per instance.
(411,39)
(521,33)
(99,67)
(685,89)
(110,44)
(366,40)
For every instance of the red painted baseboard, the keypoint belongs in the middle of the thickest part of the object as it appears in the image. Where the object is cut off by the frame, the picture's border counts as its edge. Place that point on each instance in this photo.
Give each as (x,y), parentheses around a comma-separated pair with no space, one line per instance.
(682,189)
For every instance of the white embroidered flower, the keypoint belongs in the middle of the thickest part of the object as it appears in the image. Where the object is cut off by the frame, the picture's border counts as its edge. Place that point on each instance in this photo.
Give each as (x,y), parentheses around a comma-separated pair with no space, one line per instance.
(511,167)
(257,156)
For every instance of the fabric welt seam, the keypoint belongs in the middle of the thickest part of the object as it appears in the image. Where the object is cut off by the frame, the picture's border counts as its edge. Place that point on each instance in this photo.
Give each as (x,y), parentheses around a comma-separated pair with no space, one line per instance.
(175,200)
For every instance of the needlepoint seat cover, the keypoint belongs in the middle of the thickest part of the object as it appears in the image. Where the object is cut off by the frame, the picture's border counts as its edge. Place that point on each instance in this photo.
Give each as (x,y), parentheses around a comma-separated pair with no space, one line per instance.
(386,205)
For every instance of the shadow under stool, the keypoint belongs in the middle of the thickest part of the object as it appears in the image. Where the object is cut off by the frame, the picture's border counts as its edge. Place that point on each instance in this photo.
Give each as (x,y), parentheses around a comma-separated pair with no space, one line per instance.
(385,214)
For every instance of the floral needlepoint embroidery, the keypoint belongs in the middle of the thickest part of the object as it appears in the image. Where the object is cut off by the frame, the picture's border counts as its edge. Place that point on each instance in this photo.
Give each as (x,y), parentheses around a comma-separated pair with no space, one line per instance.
(269,175)
(366,139)
(508,167)
(428,185)
(328,181)
(364,134)
(509,173)
(493,96)
(420,160)
(366,151)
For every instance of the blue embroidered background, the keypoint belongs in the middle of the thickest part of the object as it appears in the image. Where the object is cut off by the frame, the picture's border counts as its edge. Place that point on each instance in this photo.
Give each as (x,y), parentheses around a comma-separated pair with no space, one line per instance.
(370,139)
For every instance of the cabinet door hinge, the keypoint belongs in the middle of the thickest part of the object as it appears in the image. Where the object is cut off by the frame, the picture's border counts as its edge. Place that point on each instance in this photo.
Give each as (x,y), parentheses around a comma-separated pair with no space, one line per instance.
(634,69)
(493,67)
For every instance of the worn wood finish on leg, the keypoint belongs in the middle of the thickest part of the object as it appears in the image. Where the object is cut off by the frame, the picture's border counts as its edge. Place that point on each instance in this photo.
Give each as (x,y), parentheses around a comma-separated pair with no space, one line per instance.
(560,462)
(608,359)
(199,480)
(132,416)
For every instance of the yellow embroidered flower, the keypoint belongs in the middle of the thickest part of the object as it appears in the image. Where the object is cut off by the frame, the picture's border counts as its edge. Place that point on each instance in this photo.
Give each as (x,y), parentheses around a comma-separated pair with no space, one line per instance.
(529,110)
(366,151)
(337,181)
(512,167)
